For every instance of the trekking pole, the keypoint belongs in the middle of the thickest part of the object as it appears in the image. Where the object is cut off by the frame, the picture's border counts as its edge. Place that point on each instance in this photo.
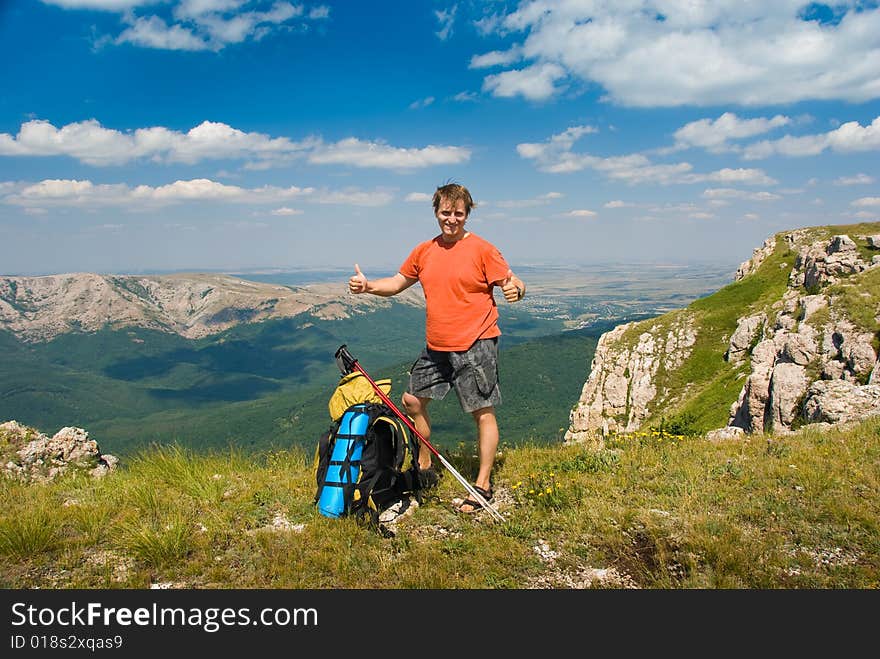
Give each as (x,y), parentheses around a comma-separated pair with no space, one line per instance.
(347,364)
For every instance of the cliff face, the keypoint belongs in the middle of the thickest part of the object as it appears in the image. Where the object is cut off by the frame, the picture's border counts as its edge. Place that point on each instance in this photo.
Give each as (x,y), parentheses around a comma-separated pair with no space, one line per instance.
(192,305)
(802,348)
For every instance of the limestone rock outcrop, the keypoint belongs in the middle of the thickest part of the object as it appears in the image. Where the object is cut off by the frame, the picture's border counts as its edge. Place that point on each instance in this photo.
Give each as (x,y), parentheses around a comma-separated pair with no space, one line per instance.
(619,396)
(810,356)
(29,455)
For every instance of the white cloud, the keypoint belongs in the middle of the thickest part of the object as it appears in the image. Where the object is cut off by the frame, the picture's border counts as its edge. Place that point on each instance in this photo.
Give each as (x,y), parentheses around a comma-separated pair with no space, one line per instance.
(617,203)
(714,135)
(465,97)
(850,137)
(102,5)
(728,175)
(867,201)
(197,24)
(701,215)
(496,58)
(85,194)
(93,144)
(284,211)
(446,19)
(357,153)
(751,216)
(352,197)
(153,32)
(535,83)
(581,213)
(696,53)
(730,193)
(858,179)
(555,156)
(540,200)
(421,103)
(419,197)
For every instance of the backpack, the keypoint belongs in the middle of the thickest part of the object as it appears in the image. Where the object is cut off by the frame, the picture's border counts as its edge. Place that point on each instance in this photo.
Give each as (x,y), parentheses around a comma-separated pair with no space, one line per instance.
(367,459)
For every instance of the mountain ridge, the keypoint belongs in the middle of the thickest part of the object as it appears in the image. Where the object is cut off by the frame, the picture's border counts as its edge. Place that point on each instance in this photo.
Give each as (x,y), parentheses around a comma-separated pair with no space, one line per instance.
(193,305)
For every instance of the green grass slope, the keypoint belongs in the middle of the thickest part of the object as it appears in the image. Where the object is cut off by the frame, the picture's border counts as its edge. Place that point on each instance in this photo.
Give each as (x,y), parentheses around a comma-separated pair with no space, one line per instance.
(649,510)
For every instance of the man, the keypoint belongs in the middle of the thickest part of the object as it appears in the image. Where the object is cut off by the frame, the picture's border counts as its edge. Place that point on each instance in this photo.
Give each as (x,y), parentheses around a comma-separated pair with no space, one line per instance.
(457,270)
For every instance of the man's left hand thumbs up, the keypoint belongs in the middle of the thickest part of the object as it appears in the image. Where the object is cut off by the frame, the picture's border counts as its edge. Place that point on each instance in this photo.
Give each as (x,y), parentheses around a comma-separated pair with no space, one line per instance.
(513,288)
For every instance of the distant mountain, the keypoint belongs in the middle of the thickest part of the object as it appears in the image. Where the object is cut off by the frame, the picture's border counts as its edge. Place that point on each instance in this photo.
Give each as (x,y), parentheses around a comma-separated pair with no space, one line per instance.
(196,305)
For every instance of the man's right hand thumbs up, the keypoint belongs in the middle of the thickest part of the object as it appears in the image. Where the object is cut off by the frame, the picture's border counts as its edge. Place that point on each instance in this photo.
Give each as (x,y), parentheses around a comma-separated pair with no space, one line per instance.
(357,283)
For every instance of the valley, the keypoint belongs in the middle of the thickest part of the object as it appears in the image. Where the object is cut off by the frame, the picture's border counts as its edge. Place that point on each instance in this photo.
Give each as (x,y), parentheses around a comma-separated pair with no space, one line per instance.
(262,385)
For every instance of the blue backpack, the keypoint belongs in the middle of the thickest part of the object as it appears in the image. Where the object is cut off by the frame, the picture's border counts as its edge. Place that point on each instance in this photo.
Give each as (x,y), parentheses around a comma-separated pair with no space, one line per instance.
(365,462)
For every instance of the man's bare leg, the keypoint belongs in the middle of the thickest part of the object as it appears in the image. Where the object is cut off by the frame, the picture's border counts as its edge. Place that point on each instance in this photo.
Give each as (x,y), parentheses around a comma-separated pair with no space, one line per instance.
(417,408)
(487,446)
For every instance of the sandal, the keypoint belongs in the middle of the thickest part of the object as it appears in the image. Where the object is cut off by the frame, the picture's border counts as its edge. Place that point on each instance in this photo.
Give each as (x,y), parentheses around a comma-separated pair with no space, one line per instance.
(475,506)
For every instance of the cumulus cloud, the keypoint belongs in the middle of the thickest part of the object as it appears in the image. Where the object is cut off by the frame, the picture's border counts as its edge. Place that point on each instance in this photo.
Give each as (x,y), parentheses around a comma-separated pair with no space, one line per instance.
(197,24)
(715,135)
(581,213)
(697,53)
(731,193)
(850,137)
(93,144)
(556,156)
(358,153)
(535,83)
(867,201)
(728,175)
(858,179)
(419,197)
(55,193)
(496,58)
(284,211)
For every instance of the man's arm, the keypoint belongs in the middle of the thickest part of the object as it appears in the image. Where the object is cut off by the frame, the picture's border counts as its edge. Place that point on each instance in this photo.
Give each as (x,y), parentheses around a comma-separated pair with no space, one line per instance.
(513,287)
(385,287)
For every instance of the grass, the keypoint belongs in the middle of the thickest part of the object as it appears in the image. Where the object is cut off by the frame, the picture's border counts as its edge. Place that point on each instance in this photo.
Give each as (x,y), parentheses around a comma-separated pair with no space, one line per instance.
(656,509)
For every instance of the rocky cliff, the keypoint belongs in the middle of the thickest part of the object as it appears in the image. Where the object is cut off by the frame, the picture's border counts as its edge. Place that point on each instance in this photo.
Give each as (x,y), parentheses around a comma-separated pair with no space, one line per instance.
(192,305)
(793,340)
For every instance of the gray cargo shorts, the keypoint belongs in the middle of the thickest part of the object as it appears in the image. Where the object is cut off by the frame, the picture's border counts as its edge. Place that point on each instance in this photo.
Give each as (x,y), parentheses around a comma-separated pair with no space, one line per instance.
(473,373)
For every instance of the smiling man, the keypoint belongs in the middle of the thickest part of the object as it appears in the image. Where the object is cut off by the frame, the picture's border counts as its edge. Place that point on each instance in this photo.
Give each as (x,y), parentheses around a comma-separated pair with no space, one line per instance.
(458,271)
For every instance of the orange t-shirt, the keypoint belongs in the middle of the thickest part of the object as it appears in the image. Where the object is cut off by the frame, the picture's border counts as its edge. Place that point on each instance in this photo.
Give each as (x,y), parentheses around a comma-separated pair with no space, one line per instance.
(457,280)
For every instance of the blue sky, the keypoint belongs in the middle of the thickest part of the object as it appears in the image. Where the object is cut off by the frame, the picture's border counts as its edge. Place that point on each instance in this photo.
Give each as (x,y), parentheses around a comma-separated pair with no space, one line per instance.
(140,136)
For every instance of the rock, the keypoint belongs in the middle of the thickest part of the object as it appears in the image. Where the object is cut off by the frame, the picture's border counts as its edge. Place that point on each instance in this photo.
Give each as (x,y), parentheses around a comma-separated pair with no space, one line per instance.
(758,255)
(725,433)
(839,401)
(787,342)
(620,388)
(36,457)
(787,384)
(873,241)
(741,340)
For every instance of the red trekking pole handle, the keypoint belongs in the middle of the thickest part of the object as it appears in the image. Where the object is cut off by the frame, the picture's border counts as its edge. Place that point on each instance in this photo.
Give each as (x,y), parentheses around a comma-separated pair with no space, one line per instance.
(348,364)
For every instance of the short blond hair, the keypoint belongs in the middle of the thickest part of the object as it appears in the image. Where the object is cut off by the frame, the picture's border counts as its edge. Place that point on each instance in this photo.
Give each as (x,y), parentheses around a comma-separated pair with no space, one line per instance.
(453,192)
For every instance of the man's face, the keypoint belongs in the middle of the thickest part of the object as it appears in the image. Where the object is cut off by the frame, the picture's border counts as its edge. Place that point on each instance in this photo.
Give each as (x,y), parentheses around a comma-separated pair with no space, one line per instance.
(451,217)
